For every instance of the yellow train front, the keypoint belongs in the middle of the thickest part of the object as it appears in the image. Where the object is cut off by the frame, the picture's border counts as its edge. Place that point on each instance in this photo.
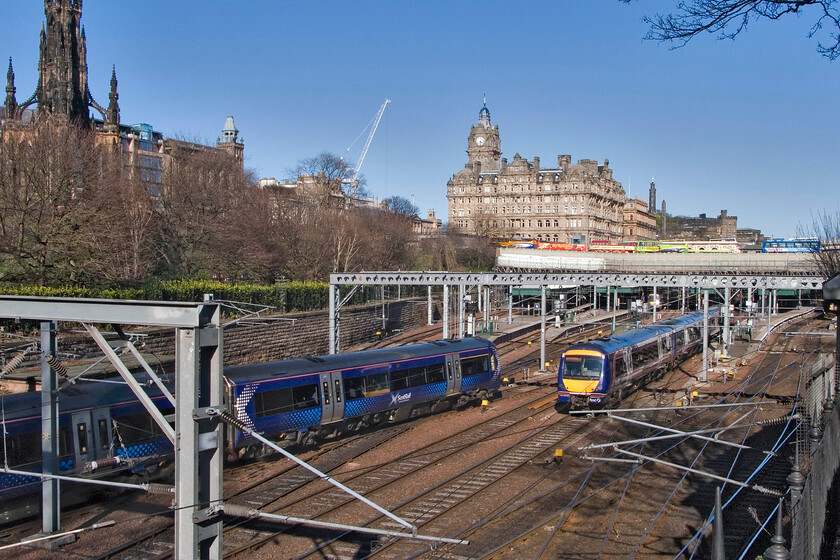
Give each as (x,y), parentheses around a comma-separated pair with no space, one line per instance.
(583,380)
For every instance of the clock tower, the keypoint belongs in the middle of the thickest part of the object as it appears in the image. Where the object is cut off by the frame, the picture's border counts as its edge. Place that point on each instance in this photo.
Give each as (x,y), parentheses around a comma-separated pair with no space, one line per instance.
(483,145)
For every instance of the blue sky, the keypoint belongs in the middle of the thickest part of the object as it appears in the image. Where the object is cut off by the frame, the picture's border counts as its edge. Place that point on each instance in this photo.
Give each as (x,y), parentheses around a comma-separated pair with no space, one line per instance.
(748,125)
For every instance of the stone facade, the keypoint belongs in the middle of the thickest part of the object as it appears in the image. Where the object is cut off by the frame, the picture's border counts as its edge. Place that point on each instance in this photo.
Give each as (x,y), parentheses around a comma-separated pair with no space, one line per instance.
(701,227)
(572,203)
(639,223)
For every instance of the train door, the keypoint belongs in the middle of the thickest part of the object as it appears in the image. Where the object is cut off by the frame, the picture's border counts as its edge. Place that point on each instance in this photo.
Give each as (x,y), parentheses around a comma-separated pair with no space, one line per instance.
(453,374)
(91,435)
(332,397)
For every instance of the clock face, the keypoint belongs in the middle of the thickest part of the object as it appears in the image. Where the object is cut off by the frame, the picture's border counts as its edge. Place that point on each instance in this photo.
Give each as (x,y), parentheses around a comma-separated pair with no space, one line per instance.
(480,140)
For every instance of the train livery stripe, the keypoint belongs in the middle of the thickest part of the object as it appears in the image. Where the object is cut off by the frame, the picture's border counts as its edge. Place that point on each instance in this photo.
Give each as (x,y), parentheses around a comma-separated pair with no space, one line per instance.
(580,385)
(584,353)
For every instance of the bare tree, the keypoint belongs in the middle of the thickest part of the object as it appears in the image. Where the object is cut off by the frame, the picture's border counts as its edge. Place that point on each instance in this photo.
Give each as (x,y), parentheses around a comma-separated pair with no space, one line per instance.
(329,173)
(825,226)
(401,205)
(202,194)
(728,18)
(56,191)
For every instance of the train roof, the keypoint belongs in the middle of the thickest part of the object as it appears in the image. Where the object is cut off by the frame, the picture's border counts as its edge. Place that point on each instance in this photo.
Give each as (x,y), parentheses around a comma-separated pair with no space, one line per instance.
(298,366)
(81,395)
(631,338)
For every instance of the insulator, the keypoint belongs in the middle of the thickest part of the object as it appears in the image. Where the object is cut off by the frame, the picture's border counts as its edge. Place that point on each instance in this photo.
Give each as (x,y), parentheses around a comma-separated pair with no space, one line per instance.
(109,462)
(57,366)
(157,488)
(774,421)
(768,491)
(228,418)
(12,364)
(237,510)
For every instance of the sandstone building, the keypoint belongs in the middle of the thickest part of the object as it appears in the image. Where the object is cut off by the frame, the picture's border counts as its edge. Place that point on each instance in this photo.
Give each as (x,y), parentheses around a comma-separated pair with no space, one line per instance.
(639,222)
(570,203)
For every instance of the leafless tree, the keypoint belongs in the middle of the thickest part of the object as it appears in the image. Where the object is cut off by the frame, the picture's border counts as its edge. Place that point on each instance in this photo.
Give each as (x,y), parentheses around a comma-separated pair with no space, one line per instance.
(331,174)
(56,189)
(200,208)
(401,205)
(728,18)
(126,248)
(825,226)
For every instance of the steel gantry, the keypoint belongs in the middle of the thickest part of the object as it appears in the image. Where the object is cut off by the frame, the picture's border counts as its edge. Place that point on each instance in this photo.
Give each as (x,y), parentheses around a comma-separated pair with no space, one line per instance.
(603,279)
(197,437)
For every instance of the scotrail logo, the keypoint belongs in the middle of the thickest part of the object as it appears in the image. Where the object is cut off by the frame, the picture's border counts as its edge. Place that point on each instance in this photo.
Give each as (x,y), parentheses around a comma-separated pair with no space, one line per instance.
(399,399)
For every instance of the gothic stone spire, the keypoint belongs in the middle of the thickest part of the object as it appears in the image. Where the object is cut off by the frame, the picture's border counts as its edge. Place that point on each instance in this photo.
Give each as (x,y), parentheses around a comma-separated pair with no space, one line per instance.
(62,89)
(112,119)
(11,102)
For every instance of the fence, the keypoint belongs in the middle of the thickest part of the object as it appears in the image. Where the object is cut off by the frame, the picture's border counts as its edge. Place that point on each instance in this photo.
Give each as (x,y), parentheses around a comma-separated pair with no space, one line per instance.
(819,453)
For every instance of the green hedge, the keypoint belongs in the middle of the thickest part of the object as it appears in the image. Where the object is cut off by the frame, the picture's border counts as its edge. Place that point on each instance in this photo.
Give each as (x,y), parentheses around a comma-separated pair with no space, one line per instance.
(282,296)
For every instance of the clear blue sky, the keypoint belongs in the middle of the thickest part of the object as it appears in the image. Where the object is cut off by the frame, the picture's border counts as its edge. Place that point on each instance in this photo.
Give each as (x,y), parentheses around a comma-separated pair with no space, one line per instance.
(750,125)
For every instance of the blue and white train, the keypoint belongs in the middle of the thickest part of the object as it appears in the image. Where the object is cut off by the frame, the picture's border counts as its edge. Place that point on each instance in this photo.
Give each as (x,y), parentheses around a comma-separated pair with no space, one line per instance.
(601,372)
(299,401)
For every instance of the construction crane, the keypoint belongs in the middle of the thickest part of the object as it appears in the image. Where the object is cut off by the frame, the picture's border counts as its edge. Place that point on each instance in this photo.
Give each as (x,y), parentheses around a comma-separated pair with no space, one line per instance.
(354,178)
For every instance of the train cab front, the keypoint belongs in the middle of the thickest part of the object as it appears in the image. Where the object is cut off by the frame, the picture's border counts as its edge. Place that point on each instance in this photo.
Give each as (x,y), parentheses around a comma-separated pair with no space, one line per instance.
(581,382)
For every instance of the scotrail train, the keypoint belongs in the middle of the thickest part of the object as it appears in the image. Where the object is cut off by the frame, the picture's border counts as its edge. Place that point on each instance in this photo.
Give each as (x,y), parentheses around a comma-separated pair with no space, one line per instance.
(299,401)
(601,372)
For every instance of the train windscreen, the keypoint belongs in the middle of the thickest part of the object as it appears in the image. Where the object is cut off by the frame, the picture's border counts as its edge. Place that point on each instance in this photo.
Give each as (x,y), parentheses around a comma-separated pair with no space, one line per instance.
(582,365)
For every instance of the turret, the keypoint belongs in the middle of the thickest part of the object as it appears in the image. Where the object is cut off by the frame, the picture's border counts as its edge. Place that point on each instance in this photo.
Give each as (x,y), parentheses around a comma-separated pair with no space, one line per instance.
(11,102)
(112,117)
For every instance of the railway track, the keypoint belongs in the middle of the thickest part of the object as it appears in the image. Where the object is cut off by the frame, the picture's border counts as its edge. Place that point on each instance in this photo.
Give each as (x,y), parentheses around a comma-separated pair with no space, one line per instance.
(517,496)
(638,523)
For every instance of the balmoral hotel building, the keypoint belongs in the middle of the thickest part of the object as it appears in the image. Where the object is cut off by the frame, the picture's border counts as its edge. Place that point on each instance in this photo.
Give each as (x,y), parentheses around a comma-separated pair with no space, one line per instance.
(572,203)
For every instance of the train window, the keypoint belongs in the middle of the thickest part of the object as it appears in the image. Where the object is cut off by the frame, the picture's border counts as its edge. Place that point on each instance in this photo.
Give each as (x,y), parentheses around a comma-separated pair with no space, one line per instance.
(435,374)
(21,449)
(407,378)
(667,343)
(620,365)
(104,435)
(693,333)
(64,441)
(337,390)
(582,367)
(81,437)
(474,366)
(681,338)
(287,399)
(354,387)
(326,393)
(366,386)
(645,354)
(136,427)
